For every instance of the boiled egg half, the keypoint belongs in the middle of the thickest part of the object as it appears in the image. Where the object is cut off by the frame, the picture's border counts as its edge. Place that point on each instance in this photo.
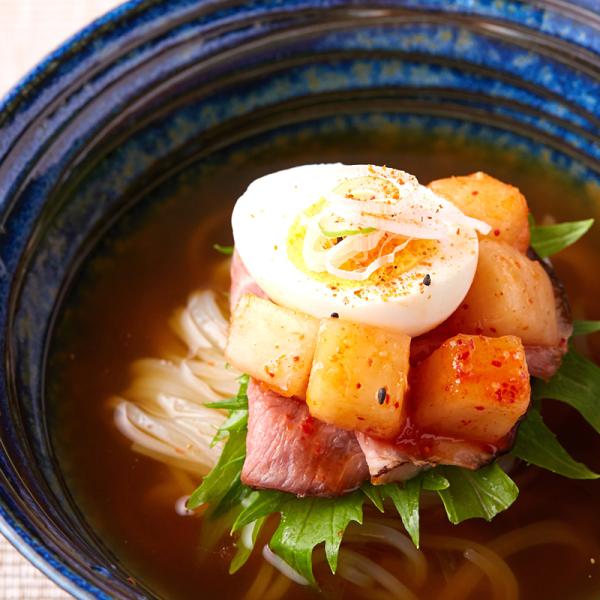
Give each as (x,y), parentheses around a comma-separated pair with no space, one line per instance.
(367,243)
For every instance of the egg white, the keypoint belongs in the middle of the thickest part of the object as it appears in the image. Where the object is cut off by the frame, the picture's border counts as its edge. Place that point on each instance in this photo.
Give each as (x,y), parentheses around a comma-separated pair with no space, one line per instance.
(261,222)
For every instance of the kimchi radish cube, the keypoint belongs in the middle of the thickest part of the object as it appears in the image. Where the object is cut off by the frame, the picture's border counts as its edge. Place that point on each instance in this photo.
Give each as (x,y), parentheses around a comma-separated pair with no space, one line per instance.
(472,387)
(272,344)
(358,379)
(499,204)
(510,295)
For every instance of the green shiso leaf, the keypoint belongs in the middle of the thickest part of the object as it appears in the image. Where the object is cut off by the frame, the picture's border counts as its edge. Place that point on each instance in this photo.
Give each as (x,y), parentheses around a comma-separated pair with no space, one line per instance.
(260,504)
(537,445)
(239,402)
(226,250)
(224,479)
(245,545)
(307,522)
(406,500)
(476,494)
(434,481)
(547,240)
(222,486)
(585,327)
(373,493)
(229,404)
(576,383)
(236,421)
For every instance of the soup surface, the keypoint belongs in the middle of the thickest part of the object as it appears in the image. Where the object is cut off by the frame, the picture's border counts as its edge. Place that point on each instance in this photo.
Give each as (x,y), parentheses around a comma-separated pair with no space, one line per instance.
(117,310)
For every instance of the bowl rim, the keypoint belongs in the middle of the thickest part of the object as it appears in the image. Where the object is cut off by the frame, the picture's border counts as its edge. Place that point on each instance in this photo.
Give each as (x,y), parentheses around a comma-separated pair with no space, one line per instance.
(14,103)
(28,87)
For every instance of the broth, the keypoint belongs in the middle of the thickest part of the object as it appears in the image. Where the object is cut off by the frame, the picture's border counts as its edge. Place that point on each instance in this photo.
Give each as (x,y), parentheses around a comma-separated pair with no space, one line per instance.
(117,310)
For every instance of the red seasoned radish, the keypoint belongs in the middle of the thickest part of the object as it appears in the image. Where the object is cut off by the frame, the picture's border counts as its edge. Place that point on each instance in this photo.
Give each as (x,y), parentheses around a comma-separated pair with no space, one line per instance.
(499,204)
(510,295)
(359,377)
(472,388)
(273,344)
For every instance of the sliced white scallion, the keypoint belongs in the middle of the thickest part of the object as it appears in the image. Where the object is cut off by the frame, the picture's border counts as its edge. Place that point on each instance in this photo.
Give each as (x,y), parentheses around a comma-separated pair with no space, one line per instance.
(360,213)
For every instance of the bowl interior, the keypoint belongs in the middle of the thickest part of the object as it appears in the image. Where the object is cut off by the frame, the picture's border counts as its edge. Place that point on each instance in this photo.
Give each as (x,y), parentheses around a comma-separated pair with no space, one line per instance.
(186,93)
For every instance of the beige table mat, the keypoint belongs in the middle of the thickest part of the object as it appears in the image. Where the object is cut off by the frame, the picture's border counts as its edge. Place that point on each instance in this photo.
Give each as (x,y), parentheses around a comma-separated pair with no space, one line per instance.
(29,29)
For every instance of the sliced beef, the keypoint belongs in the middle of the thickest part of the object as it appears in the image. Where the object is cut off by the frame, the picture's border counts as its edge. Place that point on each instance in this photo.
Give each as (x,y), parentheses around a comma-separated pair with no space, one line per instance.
(241,282)
(288,450)
(390,461)
(544,361)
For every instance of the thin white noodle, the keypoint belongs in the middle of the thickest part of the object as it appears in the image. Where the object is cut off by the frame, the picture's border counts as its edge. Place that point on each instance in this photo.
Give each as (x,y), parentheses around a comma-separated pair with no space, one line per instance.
(371,593)
(496,567)
(375,532)
(282,566)
(261,582)
(180,507)
(495,571)
(385,579)
(468,576)
(162,411)
(277,588)
(354,575)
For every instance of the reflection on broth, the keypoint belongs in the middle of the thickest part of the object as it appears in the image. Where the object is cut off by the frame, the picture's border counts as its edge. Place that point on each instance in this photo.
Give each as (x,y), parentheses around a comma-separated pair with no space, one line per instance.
(119,311)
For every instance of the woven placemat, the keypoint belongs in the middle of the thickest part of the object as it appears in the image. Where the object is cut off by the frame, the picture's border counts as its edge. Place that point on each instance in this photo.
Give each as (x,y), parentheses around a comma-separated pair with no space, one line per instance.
(30,30)
(20,579)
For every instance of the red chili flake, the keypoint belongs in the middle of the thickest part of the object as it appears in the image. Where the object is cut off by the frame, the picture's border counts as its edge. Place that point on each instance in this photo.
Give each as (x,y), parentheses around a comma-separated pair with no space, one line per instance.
(465,355)
(308,425)
(493,330)
(360,418)
(496,363)
(496,232)
(480,408)
(296,358)
(358,386)
(465,306)
(474,193)
(370,362)
(396,404)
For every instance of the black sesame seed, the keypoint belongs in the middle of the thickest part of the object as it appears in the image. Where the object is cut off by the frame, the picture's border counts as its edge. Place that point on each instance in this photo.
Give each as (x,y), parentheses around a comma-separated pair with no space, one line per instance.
(381,395)
(427,279)
(335,315)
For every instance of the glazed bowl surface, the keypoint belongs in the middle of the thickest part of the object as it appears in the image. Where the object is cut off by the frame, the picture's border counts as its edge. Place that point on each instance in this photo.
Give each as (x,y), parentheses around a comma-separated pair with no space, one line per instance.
(156,89)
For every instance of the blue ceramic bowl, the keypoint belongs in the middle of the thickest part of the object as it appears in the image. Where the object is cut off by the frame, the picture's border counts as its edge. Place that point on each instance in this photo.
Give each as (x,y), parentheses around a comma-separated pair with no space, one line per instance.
(153,86)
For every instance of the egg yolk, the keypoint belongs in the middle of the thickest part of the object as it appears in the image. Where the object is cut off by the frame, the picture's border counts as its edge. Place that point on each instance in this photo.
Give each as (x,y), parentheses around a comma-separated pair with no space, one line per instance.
(415,253)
